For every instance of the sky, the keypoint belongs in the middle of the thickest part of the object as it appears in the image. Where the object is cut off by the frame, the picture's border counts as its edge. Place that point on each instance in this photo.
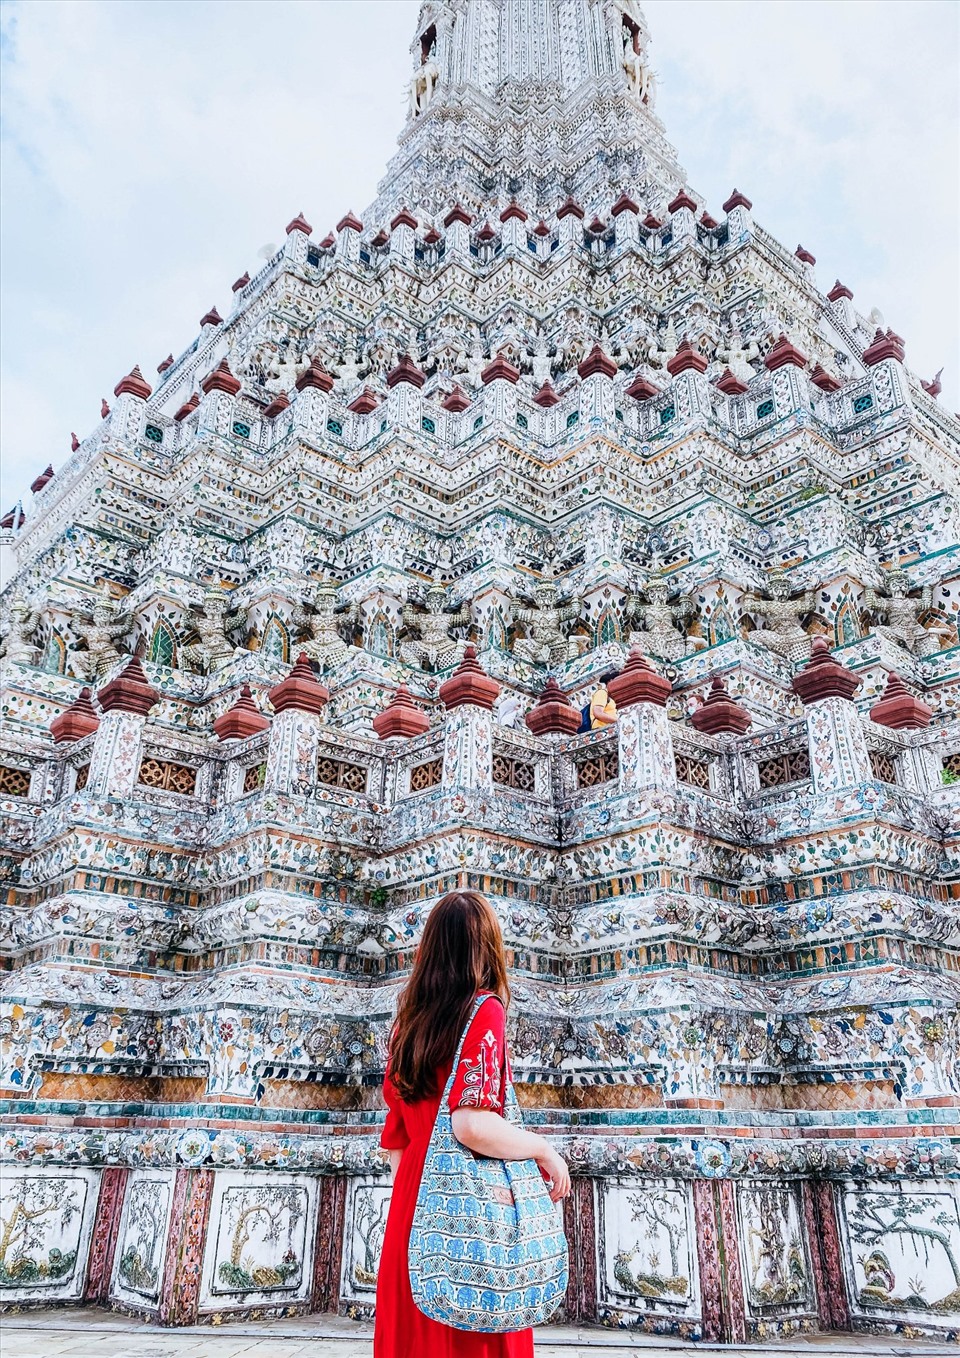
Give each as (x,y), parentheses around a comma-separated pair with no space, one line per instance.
(152,148)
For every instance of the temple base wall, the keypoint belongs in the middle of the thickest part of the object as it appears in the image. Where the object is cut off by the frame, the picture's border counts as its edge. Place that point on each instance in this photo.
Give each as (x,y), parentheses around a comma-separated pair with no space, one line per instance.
(711,1257)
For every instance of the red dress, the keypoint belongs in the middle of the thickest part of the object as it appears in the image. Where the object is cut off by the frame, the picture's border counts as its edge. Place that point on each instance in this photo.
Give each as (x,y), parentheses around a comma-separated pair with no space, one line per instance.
(402,1331)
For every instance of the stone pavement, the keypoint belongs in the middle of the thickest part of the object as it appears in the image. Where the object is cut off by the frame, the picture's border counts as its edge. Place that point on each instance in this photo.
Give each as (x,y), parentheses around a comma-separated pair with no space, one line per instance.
(89,1333)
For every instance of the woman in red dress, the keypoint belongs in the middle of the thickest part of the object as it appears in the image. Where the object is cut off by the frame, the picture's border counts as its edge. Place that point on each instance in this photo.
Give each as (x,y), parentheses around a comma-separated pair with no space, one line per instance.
(460,957)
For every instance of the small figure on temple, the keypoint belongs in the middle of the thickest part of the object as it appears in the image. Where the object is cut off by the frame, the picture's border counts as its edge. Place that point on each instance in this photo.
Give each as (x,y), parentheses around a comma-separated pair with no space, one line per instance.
(901,615)
(435,646)
(601,711)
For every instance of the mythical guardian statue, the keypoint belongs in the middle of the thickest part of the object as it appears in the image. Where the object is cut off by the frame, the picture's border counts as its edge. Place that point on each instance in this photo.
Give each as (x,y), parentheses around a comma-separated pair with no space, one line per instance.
(781,614)
(546,642)
(212,621)
(423,83)
(23,620)
(323,618)
(435,646)
(100,627)
(902,614)
(663,622)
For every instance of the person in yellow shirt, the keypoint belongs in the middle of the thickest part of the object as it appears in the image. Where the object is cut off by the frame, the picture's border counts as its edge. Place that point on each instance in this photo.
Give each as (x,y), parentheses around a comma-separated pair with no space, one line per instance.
(603,710)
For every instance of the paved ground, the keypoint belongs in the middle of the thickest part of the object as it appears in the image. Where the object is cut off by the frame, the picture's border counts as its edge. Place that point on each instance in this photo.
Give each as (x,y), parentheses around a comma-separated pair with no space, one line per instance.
(100,1334)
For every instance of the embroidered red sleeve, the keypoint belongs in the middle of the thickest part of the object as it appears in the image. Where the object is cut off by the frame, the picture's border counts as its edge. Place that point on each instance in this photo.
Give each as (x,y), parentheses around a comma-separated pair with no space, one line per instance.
(478,1080)
(394,1136)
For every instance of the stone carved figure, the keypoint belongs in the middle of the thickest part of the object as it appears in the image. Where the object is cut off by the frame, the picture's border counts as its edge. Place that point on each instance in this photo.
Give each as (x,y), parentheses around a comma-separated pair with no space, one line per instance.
(434,645)
(547,642)
(783,633)
(349,369)
(323,619)
(212,621)
(22,622)
(423,83)
(903,613)
(663,622)
(100,628)
(639,71)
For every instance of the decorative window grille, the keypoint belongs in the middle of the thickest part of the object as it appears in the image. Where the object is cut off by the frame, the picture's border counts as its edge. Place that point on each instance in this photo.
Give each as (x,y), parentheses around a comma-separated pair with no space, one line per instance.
(883,766)
(427,425)
(153,433)
(241,430)
(335,427)
(522,421)
(478,422)
(597,768)
(514,773)
(693,771)
(667,414)
(764,409)
(83,775)
(793,767)
(572,418)
(862,403)
(423,776)
(166,776)
(253,777)
(337,773)
(14,782)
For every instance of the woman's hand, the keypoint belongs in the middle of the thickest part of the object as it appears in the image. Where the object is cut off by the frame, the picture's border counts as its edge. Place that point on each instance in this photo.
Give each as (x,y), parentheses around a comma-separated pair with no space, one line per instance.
(554,1168)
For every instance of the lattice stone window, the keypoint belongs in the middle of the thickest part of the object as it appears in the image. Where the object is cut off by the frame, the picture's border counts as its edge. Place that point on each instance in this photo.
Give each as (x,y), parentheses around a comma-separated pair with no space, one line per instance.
(884,766)
(335,428)
(83,776)
(241,430)
(515,773)
(166,776)
(792,767)
(597,768)
(423,776)
(862,403)
(693,771)
(14,782)
(667,414)
(337,773)
(253,777)
(764,410)
(153,433)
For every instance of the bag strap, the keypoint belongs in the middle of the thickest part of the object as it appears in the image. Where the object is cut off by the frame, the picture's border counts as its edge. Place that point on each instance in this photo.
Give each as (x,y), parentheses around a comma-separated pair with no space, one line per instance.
(477,1003)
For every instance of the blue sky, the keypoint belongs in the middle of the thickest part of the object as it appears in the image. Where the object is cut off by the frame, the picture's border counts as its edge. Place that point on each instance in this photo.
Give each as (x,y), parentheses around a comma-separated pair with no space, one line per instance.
(152,147)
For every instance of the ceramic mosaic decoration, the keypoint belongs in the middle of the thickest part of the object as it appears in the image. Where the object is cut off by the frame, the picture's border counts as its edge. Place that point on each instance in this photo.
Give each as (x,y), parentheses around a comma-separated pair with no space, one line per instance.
(298,639)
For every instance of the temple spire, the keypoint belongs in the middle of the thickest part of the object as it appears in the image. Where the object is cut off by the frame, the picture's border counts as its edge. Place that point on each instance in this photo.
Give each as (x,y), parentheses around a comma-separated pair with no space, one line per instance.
(496,103)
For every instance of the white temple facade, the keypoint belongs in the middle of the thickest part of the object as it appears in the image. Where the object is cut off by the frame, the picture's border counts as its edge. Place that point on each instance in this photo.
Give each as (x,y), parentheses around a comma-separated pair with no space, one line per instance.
(300,638)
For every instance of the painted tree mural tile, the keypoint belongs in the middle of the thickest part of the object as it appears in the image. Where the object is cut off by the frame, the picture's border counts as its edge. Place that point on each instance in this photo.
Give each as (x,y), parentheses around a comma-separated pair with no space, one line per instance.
(904,1250)
(775,1264)
(46,1218)
(366,1220)
(138,1262)
(259,1244)
(646,1247)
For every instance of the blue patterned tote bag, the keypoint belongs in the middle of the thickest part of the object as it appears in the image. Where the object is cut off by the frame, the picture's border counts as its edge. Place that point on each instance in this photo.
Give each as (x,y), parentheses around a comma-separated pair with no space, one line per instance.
(487,1250)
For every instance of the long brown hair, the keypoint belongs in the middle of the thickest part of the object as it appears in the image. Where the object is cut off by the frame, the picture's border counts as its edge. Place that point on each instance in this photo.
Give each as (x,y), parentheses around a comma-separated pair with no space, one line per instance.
(460,953)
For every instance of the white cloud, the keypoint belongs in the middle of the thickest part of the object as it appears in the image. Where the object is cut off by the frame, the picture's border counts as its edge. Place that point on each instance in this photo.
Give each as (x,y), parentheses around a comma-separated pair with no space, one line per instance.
(151,148)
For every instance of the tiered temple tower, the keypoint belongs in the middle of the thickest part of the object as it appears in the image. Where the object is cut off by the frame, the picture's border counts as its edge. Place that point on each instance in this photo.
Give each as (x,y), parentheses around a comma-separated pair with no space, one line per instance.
(542,401)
